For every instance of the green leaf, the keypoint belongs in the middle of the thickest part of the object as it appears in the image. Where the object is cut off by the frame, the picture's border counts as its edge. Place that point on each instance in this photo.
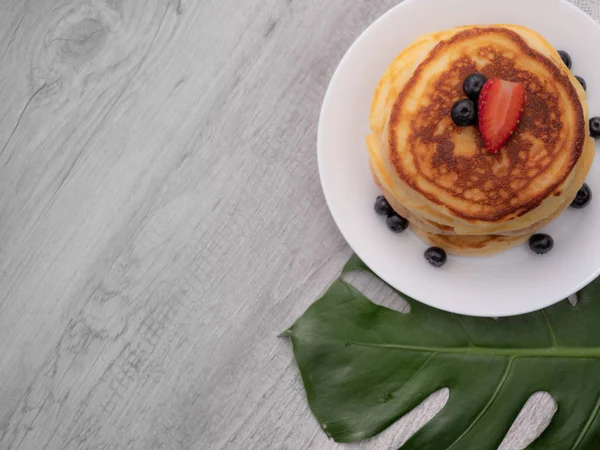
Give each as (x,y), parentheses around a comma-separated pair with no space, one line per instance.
(365,366)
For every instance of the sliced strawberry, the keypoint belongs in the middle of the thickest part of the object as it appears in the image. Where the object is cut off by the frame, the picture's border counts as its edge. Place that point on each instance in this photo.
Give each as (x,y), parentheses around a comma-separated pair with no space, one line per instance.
(500,108)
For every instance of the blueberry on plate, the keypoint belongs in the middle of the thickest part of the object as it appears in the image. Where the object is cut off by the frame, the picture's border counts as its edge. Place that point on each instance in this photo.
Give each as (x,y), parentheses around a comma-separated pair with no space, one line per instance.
(473,84)
(464,113)
(566,58)
(382,207)
(583,197)
(582,81)
(436,256)
(397,223)
(541,243)
(595,127)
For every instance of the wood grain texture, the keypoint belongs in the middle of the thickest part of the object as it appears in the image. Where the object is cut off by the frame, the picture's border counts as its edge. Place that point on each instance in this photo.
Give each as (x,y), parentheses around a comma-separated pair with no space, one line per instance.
(161,221)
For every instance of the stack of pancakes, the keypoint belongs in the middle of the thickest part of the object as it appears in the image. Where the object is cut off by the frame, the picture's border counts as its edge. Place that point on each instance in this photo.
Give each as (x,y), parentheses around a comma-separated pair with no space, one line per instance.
(440,177)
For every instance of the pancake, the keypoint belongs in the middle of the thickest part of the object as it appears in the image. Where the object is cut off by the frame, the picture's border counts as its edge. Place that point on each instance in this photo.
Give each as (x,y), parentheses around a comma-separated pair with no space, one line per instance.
(470,245)
(440,176)
(431,226)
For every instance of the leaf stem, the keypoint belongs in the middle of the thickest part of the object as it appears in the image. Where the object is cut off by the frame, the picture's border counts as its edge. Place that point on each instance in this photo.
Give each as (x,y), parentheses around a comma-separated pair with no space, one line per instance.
(552,352)
(488,404)
(462,327)
(550,330)
(588,424)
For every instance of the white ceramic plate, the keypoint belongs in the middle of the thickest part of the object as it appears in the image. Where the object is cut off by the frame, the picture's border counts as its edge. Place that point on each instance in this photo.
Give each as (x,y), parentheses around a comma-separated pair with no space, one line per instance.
(513,282)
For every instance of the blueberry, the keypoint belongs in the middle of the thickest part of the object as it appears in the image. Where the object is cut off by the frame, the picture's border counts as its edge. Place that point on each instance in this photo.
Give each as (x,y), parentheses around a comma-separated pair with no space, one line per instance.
(382,207)
(566,58)
(595,127)
(583,197)
(541,243)
(464,113)
(473,84)
(397,223)
(582,81)
(436,256)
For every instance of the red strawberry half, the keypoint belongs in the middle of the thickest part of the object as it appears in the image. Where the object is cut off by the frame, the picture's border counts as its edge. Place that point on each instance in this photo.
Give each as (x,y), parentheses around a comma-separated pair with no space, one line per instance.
(500,107)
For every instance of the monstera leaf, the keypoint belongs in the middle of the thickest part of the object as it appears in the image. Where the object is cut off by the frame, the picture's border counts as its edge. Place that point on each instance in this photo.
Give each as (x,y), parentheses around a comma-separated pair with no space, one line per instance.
(365,366)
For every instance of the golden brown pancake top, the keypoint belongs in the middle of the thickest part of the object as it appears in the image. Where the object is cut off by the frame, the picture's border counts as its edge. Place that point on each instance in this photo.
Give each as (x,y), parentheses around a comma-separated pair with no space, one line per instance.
(456,160)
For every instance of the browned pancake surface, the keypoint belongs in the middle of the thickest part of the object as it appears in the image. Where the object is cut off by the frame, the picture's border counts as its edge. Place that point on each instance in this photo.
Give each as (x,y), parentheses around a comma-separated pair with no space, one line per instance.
(456,160)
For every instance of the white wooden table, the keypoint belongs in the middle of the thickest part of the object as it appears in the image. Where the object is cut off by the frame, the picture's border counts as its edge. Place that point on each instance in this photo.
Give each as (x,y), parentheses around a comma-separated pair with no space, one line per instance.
(161,221)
